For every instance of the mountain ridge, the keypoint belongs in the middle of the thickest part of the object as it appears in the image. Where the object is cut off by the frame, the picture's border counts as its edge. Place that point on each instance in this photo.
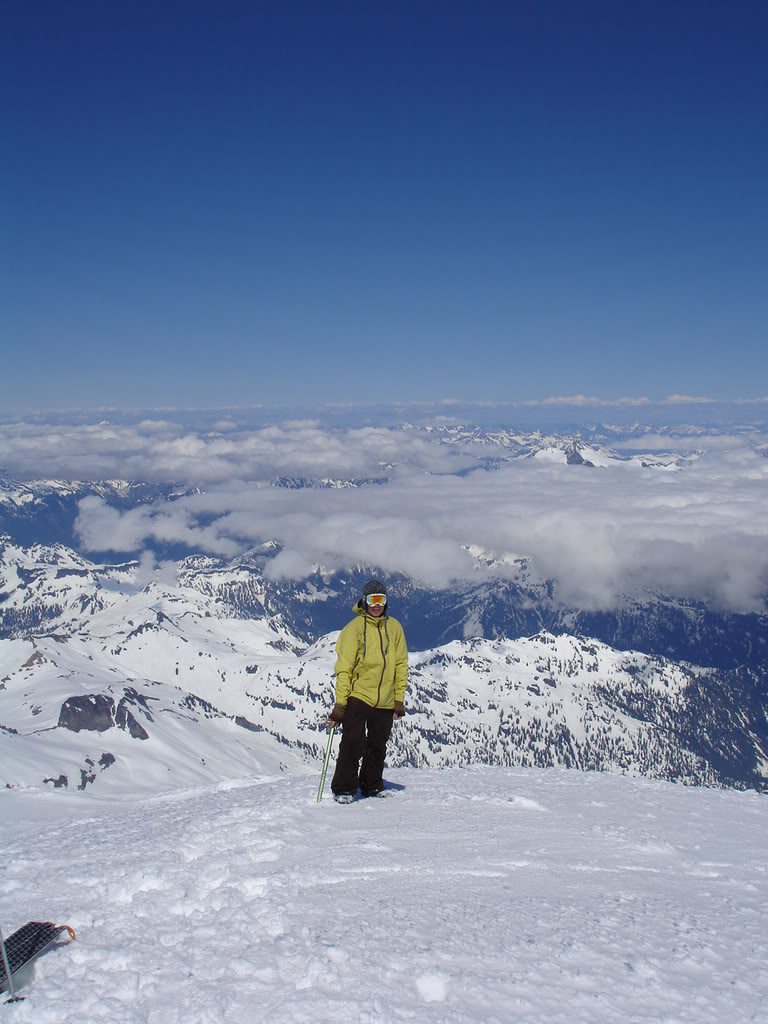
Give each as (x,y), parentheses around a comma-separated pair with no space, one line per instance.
(171,654)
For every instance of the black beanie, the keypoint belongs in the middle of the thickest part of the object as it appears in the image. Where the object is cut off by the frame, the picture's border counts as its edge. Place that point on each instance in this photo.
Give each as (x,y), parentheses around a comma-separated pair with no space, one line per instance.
(374,587)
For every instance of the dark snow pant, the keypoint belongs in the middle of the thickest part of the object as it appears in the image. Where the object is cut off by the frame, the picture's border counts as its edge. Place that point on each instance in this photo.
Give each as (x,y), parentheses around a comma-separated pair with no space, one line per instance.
(364,735)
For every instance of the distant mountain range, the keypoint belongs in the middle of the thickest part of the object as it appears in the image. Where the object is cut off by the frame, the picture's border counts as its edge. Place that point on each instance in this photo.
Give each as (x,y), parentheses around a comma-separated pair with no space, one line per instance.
(210,668)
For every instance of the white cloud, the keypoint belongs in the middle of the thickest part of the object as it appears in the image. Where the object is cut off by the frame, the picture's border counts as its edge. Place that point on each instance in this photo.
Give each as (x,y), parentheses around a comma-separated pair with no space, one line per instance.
(582,401)
(167,452)
(701,531)
(150,426)
(689,400)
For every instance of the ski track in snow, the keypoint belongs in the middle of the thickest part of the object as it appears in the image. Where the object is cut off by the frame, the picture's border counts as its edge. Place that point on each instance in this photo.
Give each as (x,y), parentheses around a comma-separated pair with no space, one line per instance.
(481,894)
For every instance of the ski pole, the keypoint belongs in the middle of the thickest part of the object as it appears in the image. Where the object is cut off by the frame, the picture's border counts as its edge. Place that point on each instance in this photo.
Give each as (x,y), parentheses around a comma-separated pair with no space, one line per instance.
(14,998)
(325,763)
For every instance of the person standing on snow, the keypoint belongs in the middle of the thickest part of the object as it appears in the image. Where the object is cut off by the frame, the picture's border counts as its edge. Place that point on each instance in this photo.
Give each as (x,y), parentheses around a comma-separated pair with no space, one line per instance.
(371,675)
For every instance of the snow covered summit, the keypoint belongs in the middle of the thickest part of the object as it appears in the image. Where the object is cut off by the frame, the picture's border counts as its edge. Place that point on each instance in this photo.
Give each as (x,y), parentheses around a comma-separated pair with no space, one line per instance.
(468,895)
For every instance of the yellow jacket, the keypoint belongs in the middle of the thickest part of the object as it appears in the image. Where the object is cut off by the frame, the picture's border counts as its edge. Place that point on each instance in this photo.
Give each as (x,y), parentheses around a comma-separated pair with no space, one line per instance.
(372,661)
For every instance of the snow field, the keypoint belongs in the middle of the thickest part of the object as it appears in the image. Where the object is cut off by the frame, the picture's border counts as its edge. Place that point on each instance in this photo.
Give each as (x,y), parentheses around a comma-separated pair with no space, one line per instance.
(481,894)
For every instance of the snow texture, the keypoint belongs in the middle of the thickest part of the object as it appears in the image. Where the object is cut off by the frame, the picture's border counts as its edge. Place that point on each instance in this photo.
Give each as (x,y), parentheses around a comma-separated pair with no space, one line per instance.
(481,894)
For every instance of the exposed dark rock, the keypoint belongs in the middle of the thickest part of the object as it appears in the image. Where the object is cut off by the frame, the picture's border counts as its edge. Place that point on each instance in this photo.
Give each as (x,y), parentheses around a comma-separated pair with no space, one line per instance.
(160,617)
(106,760)
(284,705)
(60,783)
(124,719)
(195,703)
(36,658)
(575,458)
(239,720)
(90,711)
(280,645)
(132,696)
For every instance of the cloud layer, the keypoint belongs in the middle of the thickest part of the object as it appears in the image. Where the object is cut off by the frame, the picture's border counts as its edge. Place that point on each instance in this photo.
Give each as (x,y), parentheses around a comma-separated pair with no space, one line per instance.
(162,450)
(699,531)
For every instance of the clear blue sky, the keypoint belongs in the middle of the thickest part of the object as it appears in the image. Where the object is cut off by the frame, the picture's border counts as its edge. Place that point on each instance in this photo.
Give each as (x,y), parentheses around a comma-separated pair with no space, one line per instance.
(207,204)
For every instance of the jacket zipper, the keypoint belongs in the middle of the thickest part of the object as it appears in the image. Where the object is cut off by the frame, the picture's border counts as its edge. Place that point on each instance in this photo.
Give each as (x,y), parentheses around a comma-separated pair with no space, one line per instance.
(383,666)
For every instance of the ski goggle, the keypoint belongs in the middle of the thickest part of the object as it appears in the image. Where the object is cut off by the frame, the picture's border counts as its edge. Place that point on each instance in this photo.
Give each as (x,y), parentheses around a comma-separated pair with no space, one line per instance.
(376,600)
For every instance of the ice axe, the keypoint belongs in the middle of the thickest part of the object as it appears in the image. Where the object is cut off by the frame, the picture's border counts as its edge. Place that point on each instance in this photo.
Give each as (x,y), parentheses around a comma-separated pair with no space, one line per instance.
(325,763)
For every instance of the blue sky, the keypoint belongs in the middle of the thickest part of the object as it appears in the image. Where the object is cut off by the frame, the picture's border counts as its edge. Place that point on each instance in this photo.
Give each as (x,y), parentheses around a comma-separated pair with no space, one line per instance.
(207,205)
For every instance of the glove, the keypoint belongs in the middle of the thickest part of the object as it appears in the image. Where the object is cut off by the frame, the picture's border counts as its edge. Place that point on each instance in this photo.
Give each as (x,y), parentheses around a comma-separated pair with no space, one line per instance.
(399,709)
(336,717)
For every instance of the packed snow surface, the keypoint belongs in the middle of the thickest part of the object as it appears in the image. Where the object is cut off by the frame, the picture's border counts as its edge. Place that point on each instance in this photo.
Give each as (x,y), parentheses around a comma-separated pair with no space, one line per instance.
(480,894)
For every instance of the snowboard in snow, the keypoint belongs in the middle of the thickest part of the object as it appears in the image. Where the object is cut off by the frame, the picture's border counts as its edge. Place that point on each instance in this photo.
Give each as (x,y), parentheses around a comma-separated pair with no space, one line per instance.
(25,944)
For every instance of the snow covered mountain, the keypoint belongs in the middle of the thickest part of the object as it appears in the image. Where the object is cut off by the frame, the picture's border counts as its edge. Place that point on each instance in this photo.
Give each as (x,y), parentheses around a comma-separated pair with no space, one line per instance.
(597,446)
(163,682)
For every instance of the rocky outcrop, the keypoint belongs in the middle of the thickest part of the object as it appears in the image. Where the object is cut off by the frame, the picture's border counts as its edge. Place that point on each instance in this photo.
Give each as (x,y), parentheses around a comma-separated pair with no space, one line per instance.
(59,783)
(97,713)
(92,711)
(125,720)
